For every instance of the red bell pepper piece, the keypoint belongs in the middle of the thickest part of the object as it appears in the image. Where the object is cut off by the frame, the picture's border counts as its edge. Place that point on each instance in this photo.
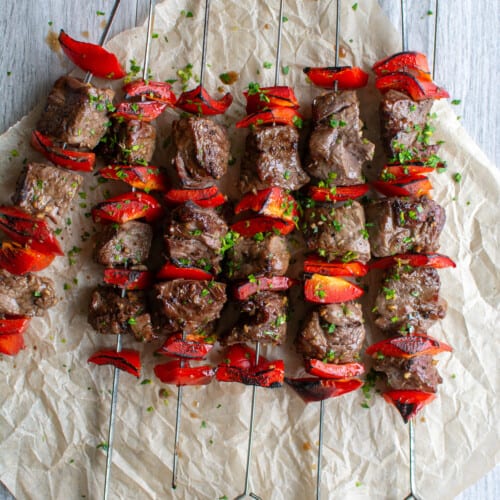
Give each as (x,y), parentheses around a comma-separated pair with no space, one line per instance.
(146,178)
(181,373)
(21,260)
(80,161)
(314,264)
(152,91)
(91,57)
(276,116)
(416,88)
(408,346)
(347,77)
(188,348)
(262,224)
(199,102)
(436,260)
(403,172)
(144,111)
(409,403)
(127,360)
(128,279)
(241,356)
(413,185)
(338,193)
(13,325)
(170,271)
(207,197)
(406,62)
(259,284)
(330,290)
(266,374)
(331,370)
(262,98)
(11,343)
(214,201)
(312,389)
(27,230)
(127,207)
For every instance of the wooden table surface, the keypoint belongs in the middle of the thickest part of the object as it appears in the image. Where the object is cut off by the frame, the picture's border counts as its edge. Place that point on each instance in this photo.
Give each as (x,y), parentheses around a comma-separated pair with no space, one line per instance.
(465,64)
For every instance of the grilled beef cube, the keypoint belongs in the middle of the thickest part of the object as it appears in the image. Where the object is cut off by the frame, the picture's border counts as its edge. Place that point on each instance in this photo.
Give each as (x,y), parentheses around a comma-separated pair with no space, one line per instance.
(188,305)
(403,122)
(418,373)
(333,333)
(46,191)
(202,151)
(28,295)
(398,225)
(336,147)
(272,159)
(193,237)
(267,257)
(408,300)
(337,233)
(263,319)
(76,113)
(123,244)
(110,313)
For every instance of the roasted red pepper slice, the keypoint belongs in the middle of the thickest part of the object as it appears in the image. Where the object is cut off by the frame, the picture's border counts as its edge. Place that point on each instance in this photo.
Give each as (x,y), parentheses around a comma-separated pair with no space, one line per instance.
(417,89)
(269,374)
(338,193)
(315,264)
(11,343)
(153,91)
(312,389)
(330,290)
(214,201)
(146,178)
(262,224)
(402,172)
(18,259)
(277,116)
(409,403)
(144,111)
(171,272)
(269,98)
(407,62)
(13,325)
(188,348)
(174,373)
(413,185)
(128,278)
(91,57)
(127,360)
(27,230)
(347,77)
(332,370)
(241,356)
(199,102)
(259,284)
(408,346)
(80,161)
(127,207)
(207,197)
(436,260)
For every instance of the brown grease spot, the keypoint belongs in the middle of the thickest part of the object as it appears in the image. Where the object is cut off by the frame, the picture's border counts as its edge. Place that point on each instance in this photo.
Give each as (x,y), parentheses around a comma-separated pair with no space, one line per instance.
(231,77)
(196,404)
(103,23)
(85,34)
(342,51)
(163,393)
(306,446)
(266,26)
(52,41)
(194,415)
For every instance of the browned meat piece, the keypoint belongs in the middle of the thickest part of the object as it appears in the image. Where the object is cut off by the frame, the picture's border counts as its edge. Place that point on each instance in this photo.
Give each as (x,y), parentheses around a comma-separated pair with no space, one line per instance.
(337,233)
(46,191)
(418,373)
(76,113)
(408,300)
(272,159)
(193,237)
(263,319)
(126,244)
(28,295)
(403,122)
(399,225)
(110,313)
(267,257)
(333,333)
(337,149)
(187,305)
(202,151)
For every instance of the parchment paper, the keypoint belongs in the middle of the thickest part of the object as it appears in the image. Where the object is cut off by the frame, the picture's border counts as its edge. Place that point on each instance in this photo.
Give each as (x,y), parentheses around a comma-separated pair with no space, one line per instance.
(55,407)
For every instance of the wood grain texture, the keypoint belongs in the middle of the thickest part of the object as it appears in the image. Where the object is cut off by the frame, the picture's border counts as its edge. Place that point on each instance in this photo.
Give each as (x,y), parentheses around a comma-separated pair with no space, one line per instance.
(466,65)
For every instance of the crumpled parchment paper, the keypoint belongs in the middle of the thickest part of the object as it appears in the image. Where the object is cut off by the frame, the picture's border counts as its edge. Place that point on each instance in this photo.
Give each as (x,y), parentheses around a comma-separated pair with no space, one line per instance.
(55,407)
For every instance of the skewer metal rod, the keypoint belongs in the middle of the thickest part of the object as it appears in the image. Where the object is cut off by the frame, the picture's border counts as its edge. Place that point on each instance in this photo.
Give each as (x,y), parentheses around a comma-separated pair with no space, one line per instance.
(148,40)
(411,439)
(436,12)
(204,43)
(404,41)
(278,47)
(320,449)
(337,35)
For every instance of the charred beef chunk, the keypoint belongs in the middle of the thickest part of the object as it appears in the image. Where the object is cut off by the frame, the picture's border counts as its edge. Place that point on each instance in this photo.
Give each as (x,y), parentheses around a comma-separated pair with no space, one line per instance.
(399,225)
(28,295)
(202,151)
(76,113)
(418,373)
(46,191)
(263,319)
(408,300)
(403,123)
(337,233)
(268,256)
(333,333)
(336,147)
(123,244)
(111,313)
(193,237)
(272,159)
(188,305)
